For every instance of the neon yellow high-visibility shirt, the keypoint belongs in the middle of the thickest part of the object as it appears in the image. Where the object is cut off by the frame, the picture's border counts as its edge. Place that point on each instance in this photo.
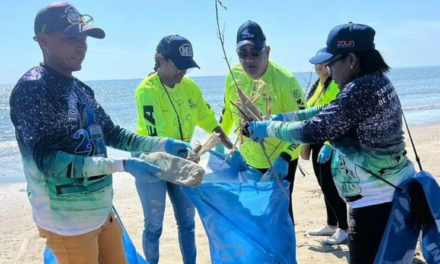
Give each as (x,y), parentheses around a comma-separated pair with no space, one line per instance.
(321,98)
(281,94)
(157,116)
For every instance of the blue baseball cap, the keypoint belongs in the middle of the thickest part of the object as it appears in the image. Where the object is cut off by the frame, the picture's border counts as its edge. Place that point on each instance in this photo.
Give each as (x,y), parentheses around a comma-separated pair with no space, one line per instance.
(251,33)
(62,17)
(346,38)
(179,50)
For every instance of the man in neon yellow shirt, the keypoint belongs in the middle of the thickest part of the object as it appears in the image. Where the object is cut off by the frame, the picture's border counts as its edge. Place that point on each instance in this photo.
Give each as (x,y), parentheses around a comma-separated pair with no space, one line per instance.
(281,93)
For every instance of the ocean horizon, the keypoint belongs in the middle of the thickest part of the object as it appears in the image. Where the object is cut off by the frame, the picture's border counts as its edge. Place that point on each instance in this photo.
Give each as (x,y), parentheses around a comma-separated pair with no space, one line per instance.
(418,89)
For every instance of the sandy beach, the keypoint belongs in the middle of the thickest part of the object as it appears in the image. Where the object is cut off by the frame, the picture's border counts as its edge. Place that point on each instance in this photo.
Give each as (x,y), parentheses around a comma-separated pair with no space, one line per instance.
(20,242)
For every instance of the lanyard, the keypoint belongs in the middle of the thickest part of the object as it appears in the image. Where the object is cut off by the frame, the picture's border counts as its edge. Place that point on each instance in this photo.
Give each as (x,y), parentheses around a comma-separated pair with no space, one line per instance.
(172,104)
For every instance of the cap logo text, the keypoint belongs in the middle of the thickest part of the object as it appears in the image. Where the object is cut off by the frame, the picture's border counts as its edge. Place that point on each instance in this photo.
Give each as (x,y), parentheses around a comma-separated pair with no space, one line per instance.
(246,34)
(185,50)
(345,44)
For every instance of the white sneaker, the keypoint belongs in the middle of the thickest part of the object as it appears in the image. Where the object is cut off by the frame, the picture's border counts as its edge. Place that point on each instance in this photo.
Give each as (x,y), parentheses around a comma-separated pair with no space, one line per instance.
(323,231)
(339,237)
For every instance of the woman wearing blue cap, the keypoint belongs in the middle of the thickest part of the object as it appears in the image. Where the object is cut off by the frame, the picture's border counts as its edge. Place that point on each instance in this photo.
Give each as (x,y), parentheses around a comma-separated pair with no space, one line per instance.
(171,104)
(364,126)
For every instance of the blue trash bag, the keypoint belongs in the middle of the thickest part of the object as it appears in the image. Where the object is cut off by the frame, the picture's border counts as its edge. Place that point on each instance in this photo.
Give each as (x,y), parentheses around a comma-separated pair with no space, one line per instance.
(246,221)
(400,237)
(130,251)
(431,232)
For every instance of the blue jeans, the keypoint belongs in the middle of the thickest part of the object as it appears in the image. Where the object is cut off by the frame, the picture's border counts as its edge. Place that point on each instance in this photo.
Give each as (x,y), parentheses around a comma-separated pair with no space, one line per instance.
(152,195)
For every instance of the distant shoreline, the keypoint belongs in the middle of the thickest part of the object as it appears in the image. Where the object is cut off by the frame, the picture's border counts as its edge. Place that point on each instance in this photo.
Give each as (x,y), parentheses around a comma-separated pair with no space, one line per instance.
(215,76)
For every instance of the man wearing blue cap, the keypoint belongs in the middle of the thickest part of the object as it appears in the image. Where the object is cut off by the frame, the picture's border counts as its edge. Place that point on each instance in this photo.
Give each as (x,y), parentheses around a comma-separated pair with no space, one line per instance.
(62,133)
(280,92)
(364,125)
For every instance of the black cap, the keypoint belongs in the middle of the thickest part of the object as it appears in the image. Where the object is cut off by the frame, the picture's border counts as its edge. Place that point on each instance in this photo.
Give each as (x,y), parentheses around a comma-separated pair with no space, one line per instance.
(179,50)
(62,17)
(346,38)
(251,33)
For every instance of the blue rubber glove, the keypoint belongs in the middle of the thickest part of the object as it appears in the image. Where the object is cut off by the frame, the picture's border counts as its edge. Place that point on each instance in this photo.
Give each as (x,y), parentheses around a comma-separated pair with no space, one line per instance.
(258,130)
(324,154)
(220,148)
(177,148)
(285,117)
(281,167)
(141,169)
(238,161)
(279,117)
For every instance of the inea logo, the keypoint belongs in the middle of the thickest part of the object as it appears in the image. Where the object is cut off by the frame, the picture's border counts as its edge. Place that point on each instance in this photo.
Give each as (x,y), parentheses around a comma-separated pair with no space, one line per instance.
(246,34)
(345,43)
(185,50)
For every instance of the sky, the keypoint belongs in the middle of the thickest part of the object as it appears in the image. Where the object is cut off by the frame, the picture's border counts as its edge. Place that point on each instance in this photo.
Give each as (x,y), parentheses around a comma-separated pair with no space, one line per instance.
(407,32)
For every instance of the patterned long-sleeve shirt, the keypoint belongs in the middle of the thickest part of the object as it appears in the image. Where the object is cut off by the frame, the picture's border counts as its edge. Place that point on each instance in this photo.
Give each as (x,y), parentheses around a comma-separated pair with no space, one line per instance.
(62,133)
(364,125)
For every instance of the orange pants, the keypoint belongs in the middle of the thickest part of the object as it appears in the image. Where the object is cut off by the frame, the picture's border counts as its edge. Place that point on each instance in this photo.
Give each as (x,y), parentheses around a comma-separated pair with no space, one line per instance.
(103,245)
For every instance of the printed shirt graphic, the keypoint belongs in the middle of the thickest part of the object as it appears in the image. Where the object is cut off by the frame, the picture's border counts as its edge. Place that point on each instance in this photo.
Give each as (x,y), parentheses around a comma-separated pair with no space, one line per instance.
(284,94)
(364,125)
(62,133)
(156,115)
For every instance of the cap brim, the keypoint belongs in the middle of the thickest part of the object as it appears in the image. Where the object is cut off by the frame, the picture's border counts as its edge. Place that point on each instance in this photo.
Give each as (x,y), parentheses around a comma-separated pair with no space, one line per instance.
(246,42)
(321,58)
(183,63)
(84,29)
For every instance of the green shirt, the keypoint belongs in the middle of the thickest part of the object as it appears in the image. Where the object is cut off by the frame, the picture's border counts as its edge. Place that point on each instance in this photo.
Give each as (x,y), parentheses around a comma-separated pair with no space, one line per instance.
(320,97)
(161,108)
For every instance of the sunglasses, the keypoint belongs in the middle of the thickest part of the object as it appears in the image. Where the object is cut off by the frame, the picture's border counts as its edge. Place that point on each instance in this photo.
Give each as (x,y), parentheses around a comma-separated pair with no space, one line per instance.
(243,54)
(83,19)
(329,66)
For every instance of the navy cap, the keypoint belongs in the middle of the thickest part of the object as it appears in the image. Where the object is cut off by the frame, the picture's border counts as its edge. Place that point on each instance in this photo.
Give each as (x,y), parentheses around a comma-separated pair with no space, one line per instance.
(346,38)
(62,17)
(179,50)
(251,33)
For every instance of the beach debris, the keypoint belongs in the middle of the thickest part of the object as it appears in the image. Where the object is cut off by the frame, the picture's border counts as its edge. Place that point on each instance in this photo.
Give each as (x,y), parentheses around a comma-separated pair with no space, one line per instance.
(175,169)
(201,148)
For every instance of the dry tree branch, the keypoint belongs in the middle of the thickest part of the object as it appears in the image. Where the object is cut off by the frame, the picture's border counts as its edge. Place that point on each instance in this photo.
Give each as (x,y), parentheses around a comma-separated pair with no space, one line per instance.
(308,82)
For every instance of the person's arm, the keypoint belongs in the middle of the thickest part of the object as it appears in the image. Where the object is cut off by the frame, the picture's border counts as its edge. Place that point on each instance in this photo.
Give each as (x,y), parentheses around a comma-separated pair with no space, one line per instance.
(206,118)
(300,115)
(41,139)
(351,107)
(292,100)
